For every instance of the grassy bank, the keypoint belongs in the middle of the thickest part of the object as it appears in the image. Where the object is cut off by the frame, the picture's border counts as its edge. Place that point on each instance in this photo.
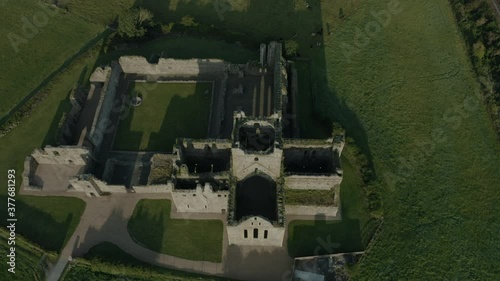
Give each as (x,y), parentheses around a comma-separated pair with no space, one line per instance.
(37,40)
(108,262)
(30,259)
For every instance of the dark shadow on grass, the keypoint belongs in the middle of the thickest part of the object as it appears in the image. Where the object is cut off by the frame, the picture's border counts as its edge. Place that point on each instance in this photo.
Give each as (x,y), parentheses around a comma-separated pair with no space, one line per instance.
(323,238)
(147,229)
(185,117)
(65,105)
(51,136)
(40,227)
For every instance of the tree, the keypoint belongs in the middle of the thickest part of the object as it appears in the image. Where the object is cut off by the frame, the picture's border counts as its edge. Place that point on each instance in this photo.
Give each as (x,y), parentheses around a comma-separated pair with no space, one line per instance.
(291,48)
(188,21)
(134,23)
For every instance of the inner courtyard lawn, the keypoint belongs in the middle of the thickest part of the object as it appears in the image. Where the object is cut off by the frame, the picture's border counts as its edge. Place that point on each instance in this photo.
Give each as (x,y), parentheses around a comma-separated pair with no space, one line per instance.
(168,111)
(152,227)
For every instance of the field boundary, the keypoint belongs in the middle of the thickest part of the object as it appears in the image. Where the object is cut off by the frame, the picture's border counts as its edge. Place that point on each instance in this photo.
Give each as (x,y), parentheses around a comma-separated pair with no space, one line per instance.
(376,234)
(4,120)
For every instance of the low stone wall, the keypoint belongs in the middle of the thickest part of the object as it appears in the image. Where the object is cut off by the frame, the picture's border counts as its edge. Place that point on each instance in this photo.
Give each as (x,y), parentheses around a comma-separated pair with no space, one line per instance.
(105,188)
(326,212)
(84,186)
(172,67)
(307,143)
(101,119)
(201,200)
(318,182)
(29,168)
(161,188)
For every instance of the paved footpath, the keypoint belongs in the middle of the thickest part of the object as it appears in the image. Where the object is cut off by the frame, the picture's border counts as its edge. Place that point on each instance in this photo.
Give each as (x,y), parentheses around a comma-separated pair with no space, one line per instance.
(105,220)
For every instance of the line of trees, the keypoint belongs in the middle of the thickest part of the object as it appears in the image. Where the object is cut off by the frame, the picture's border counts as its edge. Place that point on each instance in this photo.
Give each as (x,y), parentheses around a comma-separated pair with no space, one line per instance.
(481,32)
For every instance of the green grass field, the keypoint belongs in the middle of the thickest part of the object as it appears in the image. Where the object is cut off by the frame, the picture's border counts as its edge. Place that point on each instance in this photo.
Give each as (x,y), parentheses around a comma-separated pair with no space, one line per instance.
(152,227)
(168,111)
(29,265)
(411,93)
(31,52)
(405,97)
(48,221)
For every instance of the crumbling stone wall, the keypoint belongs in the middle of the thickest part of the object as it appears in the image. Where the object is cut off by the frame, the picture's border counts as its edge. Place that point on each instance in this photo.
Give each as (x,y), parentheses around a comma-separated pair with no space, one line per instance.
(102,118)
(201,200)
(245,164)
(172,67)
(325,212)
(256,231)
(320,182)
(161,169)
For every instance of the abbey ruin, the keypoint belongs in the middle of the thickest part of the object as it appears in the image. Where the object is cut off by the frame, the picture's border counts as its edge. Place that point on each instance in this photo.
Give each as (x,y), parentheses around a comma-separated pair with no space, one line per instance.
(251,154)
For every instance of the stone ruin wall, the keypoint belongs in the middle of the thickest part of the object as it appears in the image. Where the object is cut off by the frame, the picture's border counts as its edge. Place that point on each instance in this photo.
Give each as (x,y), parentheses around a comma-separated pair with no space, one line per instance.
(245,164)
(243,233)
(319,212)
(101,120)
(172,67)
(70,119)
(30,166)
(201,200)
(317,182)
(294,92)
(92,186)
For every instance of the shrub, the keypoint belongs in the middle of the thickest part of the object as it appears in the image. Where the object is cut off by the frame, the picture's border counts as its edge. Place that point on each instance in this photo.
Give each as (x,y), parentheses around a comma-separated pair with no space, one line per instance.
(291,48)
(188,21)
(134,23)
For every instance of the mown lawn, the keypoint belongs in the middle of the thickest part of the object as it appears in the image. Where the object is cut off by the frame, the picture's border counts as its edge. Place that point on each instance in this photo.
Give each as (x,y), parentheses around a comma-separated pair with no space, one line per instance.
(31,52)
(168,111)
(151,226)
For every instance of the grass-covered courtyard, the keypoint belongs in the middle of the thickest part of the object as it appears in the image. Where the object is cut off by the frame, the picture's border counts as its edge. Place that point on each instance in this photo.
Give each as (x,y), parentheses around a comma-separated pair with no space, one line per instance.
(168,111)
(152,227)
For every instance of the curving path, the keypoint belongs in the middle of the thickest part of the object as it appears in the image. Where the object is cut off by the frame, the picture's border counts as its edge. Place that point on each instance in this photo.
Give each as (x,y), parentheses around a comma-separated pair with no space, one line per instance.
(105,220)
